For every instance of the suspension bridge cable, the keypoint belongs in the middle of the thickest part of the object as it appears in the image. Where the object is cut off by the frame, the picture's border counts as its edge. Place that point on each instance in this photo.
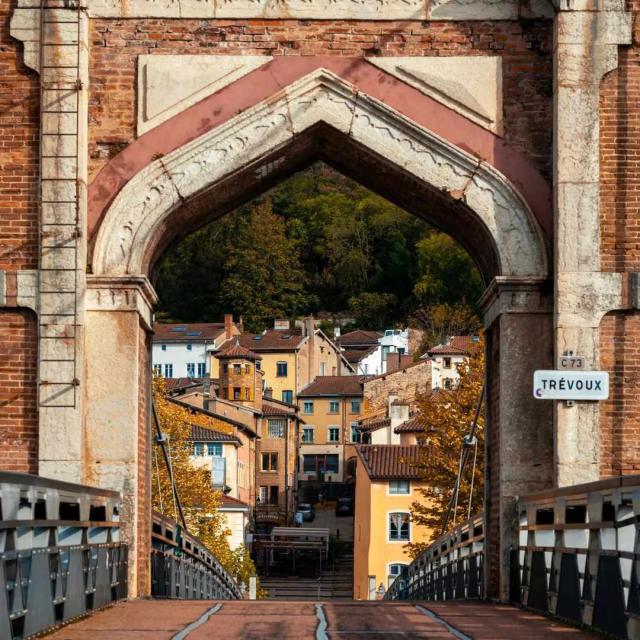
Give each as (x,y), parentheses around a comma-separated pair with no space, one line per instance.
(464,457)
(161,441)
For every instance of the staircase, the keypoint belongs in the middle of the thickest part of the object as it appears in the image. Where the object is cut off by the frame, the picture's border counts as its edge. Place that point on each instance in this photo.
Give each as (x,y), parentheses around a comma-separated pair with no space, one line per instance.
(335,583)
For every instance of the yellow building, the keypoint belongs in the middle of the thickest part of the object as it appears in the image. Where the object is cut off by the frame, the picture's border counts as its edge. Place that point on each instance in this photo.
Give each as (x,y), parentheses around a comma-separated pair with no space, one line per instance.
(291,358)
(387,481)
(329,407)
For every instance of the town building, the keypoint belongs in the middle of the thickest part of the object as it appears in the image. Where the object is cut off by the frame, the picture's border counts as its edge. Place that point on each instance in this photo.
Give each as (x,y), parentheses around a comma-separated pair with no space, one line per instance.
(291,357)
(368,351)
(330,407)
(387,482)
(446,357)
(181,350)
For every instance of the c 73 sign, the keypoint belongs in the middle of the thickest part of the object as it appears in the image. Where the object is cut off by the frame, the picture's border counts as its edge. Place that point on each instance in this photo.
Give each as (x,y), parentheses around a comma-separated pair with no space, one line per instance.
(570,385)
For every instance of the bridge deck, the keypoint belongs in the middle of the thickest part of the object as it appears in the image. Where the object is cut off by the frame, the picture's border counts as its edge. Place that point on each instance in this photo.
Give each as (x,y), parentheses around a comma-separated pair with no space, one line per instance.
(267,620)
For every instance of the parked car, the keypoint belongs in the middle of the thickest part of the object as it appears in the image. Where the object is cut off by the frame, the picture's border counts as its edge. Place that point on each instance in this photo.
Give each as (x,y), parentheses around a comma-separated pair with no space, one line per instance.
(308,512)
(344,506)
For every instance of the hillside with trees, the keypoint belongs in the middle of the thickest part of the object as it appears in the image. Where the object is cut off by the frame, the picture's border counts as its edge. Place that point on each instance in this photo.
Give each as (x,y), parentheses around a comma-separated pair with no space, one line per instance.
(317,242)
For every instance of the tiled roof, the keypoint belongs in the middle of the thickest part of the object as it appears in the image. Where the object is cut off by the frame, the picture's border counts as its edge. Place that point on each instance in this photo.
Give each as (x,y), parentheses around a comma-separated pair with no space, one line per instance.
(456,346)
(202,434)
(272,340)
(175,384)
(236,350)
(269,409)
(359,338)
(333,386)
(367,426)
(187,332)
(412,425)
(390,461)
(228,501)
(356,355)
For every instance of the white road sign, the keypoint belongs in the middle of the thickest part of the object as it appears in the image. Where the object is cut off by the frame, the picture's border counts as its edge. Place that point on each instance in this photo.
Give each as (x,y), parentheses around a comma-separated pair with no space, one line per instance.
(571,385)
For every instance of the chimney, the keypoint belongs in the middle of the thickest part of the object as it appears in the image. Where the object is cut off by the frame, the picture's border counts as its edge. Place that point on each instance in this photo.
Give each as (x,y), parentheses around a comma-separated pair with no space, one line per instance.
(393,361)
(206,394)
(267,393)
(309,326)
(336,332)
(228,325)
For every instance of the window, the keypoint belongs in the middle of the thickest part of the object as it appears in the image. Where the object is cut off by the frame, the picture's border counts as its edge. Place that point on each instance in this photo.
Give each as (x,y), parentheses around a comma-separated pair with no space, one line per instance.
(334,406)
(269,494)
(157,369)
(168,371)
(395,570)
(356,436)
(321,463)
(385,353)
(247,368)
(334,434)
(198,449)
(399,487)
(273,494)
(202,369)
(269,461)
(189,347)
(447,383)
(287,396)
(236,393)
(225,368)
(281,369)
(214,449)
(247,394)
(307,434)
(355,406)
(308,406)
(323,367)
(191,369)
(163,347)
(275,428)
(399,527)
(237,369)
(446,363)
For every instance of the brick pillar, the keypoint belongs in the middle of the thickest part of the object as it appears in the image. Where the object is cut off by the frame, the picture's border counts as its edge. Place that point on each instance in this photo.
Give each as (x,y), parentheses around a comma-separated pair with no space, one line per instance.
(519,439)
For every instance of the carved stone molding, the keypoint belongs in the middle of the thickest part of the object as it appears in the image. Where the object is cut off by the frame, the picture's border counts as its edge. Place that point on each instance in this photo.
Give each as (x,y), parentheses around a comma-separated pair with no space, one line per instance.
(117,293)
(130,226)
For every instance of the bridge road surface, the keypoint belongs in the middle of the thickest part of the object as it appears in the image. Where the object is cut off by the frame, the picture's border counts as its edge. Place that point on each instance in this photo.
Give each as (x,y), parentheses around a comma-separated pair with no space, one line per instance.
(288,620)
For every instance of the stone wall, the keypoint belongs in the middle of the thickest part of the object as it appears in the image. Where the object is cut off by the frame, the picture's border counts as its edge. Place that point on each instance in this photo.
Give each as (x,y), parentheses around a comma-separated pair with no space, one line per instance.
(18,412)
(525,49)
(407,384)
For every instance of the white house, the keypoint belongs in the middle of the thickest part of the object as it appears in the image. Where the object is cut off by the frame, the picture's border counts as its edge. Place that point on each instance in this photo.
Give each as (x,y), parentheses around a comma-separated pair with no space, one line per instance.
(445,358)
(367,351)
(180,350)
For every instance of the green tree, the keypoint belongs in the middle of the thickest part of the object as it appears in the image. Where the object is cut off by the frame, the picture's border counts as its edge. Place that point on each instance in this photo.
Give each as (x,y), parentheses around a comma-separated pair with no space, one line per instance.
(263,277)
(372,310)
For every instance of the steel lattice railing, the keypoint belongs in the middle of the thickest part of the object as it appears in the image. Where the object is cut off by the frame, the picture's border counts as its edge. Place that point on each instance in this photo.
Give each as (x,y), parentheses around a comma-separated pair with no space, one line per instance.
(579,555)
(182,567)
(60,553)
(452,567)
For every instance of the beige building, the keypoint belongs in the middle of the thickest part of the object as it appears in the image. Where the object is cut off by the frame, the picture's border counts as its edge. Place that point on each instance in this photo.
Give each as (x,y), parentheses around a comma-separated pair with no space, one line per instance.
(291,358)
(387,482)
(329,406)
(446,357)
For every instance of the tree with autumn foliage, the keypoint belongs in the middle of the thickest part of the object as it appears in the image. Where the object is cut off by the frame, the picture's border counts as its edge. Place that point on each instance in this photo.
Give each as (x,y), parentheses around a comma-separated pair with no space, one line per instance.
(199,502)
(447,416)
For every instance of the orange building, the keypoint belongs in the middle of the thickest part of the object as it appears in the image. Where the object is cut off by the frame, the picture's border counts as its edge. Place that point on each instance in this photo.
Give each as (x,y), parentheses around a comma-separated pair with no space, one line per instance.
(387,482)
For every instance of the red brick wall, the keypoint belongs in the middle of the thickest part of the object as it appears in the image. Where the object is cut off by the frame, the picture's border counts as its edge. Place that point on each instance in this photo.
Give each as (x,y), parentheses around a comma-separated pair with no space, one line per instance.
(620,415)
(18,389)
(19,119)
(525,49)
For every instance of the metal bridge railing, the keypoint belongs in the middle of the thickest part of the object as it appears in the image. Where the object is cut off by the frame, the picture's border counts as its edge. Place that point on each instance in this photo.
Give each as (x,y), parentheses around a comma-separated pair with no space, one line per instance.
(452,567)
(579,555)
(182,567)
(60,553)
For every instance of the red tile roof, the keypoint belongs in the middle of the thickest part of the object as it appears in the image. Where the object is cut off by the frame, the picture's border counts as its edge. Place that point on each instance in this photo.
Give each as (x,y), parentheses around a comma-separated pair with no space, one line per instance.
(359,338)
(202,434)
(456,346)
(333,386)
(269,409)
(272,340)
(175,384)
(367,426)
(412,425)
(228,501)
(237,351)
(390,461)
(356,355)
(187,332)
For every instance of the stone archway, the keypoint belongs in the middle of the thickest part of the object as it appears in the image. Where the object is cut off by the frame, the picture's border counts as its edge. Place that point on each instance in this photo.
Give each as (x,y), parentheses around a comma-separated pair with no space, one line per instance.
(156,191)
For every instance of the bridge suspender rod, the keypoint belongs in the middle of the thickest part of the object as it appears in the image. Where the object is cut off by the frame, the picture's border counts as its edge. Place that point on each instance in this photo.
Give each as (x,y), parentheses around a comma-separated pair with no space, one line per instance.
(464,456)
(161,441)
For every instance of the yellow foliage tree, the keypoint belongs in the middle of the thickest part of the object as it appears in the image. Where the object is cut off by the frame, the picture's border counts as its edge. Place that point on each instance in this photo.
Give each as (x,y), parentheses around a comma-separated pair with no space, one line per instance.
(447,416)
(199,502)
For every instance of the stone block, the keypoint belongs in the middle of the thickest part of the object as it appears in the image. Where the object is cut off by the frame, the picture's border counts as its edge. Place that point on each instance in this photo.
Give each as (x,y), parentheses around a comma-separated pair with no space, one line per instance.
(583,298)
(587,28)
(488,9)
(58,303)
(578,65)
(55,145)
(58,213)
(65,123)
(60,168)
(57,194)
(190,78)
(58,258)
(56,373)
(472,86)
